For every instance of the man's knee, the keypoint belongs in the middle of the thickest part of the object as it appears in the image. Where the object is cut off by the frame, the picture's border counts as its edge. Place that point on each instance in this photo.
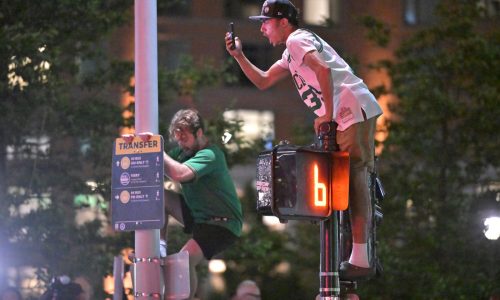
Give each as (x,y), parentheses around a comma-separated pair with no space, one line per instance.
(195,252)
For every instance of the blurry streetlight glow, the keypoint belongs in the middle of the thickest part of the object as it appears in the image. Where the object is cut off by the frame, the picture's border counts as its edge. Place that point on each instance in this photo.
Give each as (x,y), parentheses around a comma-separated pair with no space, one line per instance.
(217,266)
(492,228)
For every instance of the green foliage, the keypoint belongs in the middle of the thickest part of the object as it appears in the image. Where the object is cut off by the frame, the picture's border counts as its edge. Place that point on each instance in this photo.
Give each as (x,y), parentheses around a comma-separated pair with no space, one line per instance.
(377,31)
(444,140)
(57,124)
(442,145)
(184,82)
(188,78)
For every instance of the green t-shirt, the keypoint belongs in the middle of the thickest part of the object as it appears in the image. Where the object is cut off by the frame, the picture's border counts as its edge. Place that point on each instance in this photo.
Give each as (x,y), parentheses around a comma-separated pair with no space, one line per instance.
(211,193)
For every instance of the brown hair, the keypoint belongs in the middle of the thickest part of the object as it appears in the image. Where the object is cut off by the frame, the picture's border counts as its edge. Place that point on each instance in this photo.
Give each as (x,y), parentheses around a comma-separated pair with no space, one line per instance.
(186,118)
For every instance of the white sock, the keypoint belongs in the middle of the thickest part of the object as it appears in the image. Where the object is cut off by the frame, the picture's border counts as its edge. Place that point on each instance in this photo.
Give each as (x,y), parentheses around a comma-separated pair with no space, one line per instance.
(163,248)
(359,255)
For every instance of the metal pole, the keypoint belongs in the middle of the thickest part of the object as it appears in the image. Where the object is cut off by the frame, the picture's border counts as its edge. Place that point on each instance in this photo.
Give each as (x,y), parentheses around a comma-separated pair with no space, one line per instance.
(148,282)
(329,288)
(118,278)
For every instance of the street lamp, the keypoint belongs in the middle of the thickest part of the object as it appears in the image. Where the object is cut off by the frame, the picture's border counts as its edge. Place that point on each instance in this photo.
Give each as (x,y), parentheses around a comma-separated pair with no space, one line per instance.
(492,228)
(217,267)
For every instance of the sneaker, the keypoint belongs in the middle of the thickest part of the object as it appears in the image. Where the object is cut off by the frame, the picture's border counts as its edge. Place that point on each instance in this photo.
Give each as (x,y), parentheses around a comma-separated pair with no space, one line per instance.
(163,248)
(352,272)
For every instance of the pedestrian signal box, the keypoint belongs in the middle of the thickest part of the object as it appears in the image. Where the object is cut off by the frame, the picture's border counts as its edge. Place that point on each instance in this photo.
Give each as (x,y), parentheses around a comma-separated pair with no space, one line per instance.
(301,183)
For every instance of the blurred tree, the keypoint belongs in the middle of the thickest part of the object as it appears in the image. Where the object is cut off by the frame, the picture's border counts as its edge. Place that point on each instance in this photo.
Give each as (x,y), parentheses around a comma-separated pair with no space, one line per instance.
(56,127)
(441,150)
(59,119)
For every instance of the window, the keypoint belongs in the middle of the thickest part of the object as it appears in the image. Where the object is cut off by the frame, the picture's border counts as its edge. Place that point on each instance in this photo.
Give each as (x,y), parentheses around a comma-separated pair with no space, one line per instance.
(410,12)
(419,12)
(321,12)
(489,8)
(31,148)
(256,124)
(174,8)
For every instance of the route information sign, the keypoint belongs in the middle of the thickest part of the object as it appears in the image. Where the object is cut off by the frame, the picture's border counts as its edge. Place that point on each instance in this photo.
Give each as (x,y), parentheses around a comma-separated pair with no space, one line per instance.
(137,184)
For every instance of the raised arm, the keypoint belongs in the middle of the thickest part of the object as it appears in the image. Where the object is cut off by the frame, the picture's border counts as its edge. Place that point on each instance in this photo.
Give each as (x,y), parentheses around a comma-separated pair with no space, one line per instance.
(261,79)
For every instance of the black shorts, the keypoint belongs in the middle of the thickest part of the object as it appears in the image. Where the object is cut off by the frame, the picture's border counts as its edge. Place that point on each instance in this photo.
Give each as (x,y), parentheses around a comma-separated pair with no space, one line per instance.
(212,239)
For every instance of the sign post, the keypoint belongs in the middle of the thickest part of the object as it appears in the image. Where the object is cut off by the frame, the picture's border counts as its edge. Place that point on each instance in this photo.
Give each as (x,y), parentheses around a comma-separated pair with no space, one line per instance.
(304,183)
(148,282)
(329,283)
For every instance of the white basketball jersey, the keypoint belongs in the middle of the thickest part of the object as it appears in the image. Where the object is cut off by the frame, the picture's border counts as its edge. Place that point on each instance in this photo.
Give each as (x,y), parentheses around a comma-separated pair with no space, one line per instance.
(350,94)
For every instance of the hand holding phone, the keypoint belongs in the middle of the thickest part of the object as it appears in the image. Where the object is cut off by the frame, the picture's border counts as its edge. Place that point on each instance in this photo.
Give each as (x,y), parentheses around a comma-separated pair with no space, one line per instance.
(231,31)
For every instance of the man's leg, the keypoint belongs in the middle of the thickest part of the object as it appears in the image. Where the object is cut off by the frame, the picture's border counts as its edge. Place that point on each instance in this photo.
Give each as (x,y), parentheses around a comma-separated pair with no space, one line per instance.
(358,141)
(195,258)
(360,213)
(173,207)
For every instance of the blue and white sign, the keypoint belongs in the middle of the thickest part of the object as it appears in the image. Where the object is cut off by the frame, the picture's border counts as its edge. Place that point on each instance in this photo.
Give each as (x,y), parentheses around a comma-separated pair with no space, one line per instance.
(137,184)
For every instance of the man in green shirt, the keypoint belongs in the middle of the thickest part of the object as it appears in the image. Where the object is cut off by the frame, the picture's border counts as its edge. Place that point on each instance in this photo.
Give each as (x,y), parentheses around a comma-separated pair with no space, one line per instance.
(208,207)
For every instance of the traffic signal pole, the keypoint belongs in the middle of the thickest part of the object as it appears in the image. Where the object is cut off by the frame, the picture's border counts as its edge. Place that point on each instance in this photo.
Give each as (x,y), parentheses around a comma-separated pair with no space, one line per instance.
(329,288)
(147,272)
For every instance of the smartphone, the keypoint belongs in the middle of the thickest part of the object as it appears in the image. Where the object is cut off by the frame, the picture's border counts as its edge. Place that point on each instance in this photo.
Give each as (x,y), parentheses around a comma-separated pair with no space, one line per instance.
(231,31)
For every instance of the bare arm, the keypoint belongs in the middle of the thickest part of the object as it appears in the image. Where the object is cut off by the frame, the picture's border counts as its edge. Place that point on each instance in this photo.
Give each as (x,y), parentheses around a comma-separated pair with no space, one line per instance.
(261,79)
(324,76)
(177,171)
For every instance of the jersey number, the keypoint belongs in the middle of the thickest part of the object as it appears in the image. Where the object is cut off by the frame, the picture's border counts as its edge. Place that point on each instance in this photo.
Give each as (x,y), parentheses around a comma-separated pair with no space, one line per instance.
(310,93)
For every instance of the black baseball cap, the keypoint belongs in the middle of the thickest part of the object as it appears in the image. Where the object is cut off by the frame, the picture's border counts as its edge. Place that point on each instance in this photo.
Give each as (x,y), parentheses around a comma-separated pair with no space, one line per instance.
(277,9)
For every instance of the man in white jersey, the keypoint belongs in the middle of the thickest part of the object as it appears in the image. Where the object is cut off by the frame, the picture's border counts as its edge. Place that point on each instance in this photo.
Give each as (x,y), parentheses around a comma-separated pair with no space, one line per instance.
(329,88)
